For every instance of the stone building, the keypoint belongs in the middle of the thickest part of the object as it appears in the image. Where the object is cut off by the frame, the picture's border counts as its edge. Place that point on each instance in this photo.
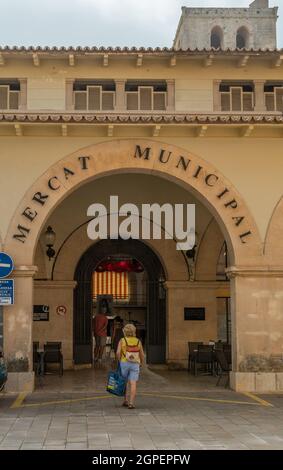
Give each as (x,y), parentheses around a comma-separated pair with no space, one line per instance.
(228,28)
(179,125)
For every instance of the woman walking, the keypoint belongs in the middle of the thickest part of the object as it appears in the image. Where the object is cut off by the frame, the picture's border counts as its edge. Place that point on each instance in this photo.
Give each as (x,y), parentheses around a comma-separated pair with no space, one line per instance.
(131,356)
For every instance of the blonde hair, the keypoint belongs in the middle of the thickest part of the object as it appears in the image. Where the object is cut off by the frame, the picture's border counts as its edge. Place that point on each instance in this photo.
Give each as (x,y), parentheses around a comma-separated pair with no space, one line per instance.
(129,330)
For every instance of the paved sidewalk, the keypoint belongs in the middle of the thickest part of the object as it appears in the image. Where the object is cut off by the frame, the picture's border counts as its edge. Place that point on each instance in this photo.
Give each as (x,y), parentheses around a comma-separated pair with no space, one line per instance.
(174,411)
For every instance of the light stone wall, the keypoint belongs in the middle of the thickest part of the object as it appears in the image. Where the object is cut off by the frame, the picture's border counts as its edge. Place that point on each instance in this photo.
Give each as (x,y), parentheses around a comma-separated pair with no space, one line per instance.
(58,328)
(180,332)
(194,95)
(46,93)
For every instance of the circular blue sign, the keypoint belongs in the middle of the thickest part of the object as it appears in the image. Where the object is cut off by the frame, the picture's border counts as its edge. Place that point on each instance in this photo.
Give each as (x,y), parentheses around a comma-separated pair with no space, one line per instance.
(6,265)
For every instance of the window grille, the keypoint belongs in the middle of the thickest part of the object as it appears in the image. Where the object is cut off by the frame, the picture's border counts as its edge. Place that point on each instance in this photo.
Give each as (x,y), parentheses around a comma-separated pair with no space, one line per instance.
(9,99)
(274,99)
(236,99)
(94,98)
(146,99)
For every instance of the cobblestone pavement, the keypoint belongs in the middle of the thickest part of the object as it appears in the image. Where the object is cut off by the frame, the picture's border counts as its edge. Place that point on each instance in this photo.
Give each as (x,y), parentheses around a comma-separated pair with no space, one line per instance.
(174,411)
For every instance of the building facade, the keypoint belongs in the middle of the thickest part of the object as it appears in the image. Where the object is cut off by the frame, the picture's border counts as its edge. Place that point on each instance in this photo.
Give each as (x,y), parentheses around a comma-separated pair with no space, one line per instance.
(200,123)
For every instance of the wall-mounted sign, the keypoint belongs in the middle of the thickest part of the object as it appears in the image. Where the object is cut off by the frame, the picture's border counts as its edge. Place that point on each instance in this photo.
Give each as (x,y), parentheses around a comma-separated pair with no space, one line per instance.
(41,313)
(6,291)
(6,265)
(194,313)
(61,310)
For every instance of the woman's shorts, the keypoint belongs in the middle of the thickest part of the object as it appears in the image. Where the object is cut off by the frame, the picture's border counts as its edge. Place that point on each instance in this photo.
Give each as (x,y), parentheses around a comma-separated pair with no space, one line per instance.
(130,371)
(100,341)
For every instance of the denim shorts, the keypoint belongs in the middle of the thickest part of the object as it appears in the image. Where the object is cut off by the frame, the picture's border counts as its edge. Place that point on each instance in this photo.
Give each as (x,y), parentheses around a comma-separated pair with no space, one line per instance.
(130,370)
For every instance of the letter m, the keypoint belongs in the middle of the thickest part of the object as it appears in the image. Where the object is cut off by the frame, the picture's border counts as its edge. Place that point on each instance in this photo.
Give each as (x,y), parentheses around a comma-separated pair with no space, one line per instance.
(22,235)
(139,153)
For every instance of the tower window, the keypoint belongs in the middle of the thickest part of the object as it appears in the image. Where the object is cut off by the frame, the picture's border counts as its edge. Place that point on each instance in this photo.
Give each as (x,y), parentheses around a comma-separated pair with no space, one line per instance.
(242,38)
(216,38)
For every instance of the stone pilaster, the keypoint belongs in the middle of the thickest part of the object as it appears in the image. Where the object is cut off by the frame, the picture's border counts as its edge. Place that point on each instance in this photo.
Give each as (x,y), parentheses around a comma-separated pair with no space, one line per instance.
(170,95)
(259,96)
(23,94)
(216,96)
(120,102)
(70,105)
(257,335)
(18,331)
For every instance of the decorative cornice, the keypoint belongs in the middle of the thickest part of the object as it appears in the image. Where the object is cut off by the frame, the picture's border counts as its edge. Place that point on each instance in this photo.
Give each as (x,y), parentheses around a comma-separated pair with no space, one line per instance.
(48,284)
(141,117)
(254,271)
(214,285)
(133,50)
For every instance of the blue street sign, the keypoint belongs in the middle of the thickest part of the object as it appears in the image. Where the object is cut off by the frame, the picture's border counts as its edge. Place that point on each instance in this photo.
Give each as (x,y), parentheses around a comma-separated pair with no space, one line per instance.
(6,291)
(6,265)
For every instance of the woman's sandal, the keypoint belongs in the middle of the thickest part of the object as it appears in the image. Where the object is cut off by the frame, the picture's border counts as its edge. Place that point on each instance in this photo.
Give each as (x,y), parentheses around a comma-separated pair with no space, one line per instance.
(125,403)
(131,407)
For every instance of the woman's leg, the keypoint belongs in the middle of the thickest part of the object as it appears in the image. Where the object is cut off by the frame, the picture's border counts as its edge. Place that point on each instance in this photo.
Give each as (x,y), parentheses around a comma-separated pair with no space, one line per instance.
(133,391)
(127,393)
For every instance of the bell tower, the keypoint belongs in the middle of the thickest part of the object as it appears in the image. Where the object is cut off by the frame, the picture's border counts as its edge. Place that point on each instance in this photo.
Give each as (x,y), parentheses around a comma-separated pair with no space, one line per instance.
(228,28)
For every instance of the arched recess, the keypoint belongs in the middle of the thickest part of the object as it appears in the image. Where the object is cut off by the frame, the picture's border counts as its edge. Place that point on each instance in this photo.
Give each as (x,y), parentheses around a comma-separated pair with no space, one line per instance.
(216,38)
(173,261)
(127,156)
(208,253)
(243,38)
(272,249)
(156,303)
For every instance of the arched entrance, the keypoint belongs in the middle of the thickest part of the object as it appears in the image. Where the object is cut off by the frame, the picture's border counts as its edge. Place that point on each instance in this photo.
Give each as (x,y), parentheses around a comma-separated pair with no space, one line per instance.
(128,156)
(155,302)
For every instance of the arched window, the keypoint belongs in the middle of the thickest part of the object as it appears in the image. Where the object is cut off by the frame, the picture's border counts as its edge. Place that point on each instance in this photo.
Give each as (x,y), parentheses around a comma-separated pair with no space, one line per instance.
(216,38)
(242,38)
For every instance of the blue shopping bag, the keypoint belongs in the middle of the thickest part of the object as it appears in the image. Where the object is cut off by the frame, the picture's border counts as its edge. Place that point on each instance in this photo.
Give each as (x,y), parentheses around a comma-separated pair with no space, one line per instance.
(3,373)
(116,383)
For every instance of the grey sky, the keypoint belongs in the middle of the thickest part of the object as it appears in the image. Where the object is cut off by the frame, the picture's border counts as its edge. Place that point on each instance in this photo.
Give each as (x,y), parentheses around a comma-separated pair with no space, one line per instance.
(101,22)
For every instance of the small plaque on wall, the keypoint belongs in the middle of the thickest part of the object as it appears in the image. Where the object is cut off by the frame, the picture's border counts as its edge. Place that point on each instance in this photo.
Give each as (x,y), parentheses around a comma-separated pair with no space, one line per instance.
(41,313)
(194,313)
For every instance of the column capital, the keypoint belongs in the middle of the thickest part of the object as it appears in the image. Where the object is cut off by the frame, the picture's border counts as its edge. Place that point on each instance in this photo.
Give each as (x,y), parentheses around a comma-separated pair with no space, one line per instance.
(24,271)
(254,271)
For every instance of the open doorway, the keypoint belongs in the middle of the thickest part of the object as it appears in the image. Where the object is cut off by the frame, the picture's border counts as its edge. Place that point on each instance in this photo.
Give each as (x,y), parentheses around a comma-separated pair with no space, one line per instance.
(138,297)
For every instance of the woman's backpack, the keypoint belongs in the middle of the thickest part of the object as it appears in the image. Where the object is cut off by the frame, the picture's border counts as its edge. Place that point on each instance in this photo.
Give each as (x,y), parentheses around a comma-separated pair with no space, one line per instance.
(133,352)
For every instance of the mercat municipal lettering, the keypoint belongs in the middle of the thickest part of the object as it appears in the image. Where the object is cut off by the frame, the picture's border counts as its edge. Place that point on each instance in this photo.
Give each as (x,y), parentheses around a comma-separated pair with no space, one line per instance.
(225,197)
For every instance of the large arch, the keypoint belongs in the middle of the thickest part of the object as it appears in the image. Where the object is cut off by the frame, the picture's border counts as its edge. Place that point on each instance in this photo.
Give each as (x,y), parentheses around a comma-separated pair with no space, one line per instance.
(132,155)
(174,263)
(127,156)
(272,249)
